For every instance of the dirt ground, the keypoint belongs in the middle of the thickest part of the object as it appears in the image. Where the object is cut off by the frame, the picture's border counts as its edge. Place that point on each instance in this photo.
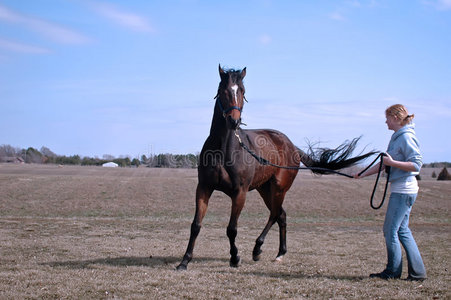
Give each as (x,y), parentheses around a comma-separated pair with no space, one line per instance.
(92,232)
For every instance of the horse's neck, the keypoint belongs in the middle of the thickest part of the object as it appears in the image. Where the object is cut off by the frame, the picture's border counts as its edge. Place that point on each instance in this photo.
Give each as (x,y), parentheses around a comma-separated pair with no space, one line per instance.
(218,124)
(219,132)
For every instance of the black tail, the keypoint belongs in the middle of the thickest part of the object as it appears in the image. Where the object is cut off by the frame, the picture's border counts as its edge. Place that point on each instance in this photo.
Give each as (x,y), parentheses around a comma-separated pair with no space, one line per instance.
(333,159)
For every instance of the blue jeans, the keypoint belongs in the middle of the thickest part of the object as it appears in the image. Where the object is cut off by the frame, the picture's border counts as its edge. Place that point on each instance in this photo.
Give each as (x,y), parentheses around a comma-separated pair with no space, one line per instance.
(396,229)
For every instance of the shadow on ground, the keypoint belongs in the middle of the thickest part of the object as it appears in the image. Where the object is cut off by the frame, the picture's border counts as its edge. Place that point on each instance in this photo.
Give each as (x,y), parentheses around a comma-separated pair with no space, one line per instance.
(150,261)
(306,276)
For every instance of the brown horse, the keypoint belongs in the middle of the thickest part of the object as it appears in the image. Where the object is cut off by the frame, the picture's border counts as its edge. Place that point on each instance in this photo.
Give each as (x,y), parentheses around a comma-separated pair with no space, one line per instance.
(225,166)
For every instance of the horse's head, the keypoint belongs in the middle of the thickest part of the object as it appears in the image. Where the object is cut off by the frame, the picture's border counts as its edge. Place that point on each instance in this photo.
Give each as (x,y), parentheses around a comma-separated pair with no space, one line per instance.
(230,97)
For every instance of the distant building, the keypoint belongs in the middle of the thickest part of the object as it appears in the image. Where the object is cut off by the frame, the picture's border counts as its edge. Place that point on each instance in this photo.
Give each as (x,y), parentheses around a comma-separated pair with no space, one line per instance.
(12,159)
(110,165)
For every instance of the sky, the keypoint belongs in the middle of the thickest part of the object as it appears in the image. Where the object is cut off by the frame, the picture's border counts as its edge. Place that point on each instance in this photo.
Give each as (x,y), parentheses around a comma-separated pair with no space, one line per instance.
(139,77)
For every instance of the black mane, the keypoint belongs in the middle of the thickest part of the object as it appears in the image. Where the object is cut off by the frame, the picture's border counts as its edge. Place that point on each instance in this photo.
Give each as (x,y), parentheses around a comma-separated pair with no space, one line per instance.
(234,75)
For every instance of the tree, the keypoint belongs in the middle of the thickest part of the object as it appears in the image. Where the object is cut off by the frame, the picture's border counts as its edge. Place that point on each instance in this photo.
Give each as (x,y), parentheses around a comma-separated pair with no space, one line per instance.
(32,155)
(136,162)
(108,157)
(47,152)
(123,162)
(8,151)
(444,175)
(68,160)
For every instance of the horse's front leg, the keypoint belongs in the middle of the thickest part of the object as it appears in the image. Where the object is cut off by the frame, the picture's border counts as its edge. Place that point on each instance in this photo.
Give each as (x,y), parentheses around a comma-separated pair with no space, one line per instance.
(202,196)
(237,206)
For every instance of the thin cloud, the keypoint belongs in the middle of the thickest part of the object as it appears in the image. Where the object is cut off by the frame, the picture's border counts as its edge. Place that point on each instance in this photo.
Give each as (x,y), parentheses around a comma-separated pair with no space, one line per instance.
(125,19)
(53,31)
(354,3)
(8,15)
(265,39)
(22,48)
(58,33)
(337,16)
(438,4)
(444,4)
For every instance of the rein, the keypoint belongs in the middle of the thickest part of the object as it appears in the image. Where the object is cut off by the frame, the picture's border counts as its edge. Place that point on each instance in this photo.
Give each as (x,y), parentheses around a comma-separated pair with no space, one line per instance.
(381,155)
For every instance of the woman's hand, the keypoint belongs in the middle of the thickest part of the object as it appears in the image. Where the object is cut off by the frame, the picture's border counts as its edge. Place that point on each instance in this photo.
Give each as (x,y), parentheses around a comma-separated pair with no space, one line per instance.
(388,160)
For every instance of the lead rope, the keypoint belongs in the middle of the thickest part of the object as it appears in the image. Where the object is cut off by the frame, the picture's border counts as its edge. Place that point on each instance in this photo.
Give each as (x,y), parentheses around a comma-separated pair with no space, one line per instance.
(266,162)
(381,156)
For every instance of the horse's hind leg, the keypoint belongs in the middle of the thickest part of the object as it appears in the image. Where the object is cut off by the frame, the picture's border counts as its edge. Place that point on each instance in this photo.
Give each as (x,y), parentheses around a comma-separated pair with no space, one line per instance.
(202,197)
(273,201)
(261,238)
(282,221)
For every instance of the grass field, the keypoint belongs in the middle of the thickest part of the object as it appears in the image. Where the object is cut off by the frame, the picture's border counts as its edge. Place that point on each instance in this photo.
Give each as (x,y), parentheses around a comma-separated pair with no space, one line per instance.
(101,233)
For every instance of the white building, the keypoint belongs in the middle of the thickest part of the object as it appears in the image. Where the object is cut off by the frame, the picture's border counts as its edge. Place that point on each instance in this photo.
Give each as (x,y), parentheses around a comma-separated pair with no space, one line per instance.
(110,165)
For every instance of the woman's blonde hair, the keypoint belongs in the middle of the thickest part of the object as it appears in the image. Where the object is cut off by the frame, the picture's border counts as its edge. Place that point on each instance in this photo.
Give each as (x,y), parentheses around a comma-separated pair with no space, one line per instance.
(399,111)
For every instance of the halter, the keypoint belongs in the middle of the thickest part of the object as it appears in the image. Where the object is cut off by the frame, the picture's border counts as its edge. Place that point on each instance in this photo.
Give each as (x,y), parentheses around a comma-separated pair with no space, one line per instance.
(229,109)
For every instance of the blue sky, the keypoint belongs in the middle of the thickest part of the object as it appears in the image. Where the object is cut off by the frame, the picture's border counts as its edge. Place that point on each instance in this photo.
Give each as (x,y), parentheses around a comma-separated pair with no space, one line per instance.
(139,77)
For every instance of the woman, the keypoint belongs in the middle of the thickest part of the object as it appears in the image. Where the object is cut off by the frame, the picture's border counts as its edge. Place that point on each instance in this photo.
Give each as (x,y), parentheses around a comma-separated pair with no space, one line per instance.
(404,159)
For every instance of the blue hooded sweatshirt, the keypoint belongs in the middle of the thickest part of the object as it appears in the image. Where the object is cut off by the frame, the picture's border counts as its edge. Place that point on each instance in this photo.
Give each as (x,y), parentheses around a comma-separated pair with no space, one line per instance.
(404,146)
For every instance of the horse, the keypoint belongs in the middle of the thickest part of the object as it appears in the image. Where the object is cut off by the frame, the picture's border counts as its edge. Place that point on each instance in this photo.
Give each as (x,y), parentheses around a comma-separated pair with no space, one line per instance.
(225,166)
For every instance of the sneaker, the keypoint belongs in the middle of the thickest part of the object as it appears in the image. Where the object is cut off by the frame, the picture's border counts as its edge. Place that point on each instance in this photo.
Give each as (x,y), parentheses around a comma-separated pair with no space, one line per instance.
(383,275)
(410,278)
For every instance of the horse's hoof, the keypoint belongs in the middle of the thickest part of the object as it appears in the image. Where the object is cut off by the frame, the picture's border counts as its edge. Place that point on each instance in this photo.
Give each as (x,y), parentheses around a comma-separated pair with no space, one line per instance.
(256,255)
(279,258)
(181,267)
(235,263)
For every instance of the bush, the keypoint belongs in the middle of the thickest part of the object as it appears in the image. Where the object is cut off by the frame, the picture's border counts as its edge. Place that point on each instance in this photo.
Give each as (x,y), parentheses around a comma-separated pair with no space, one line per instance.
(136,162)
(444,175)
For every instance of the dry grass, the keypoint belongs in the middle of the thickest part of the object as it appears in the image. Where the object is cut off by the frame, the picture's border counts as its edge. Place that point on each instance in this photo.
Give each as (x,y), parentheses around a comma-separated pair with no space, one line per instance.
(90,232)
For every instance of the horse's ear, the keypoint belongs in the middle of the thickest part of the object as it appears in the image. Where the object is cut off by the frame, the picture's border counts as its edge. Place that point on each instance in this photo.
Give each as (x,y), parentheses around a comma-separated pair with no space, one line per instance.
(243,73)
(221,71)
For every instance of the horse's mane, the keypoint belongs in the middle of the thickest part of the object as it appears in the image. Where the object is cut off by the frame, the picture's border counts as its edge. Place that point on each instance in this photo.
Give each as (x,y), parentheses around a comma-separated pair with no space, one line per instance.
(235,75)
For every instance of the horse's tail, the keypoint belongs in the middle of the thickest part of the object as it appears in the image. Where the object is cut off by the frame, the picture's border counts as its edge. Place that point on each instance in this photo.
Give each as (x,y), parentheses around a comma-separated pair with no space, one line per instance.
(333,159)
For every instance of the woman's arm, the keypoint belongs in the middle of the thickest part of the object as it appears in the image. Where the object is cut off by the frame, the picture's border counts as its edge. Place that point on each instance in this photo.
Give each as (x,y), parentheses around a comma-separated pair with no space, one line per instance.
(403,165)
(373,170)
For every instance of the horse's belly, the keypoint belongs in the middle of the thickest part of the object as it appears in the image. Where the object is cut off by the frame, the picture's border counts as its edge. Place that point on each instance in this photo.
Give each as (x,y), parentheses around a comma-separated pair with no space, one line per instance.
(261,176)
(216,177)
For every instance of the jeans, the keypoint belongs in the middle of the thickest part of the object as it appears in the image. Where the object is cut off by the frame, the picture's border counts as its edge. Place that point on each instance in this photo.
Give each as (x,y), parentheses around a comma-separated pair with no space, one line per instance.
(396,229)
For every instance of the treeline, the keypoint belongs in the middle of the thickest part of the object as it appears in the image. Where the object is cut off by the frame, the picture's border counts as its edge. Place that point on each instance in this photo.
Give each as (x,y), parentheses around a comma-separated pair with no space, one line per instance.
(166,160)
(437,165)
(46,156)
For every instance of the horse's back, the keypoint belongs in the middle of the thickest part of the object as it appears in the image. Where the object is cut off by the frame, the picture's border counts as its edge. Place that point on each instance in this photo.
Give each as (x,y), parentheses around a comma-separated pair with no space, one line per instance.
(272,140)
